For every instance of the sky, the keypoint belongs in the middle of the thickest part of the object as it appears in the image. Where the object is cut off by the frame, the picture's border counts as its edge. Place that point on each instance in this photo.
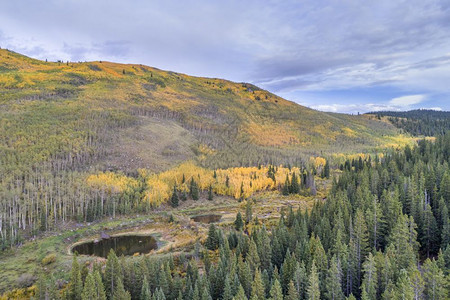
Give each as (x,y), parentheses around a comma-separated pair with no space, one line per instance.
(333,55)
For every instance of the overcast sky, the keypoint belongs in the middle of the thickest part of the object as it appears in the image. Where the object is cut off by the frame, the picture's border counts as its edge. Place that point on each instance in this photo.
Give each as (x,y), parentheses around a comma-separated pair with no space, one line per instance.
(343,56)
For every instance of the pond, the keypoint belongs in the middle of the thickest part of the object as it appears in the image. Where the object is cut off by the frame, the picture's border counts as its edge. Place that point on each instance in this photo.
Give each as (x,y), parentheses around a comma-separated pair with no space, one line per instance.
(207,218)
(122,245)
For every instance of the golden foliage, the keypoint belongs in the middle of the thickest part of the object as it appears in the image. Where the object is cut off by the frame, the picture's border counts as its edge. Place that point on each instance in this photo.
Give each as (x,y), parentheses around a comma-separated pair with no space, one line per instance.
(252,179)
(25,293)
(111,182)
(317,161)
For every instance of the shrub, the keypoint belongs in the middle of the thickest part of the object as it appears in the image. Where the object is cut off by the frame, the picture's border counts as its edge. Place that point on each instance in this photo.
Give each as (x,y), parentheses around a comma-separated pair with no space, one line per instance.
(49,259)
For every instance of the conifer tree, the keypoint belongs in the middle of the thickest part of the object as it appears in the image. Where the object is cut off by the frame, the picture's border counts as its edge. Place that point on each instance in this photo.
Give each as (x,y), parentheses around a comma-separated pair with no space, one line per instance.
(253,257)
(196,294)
(183,196)
(193,189)
(205,294)
(301,279)
(403,242)
(287,271)
(212,241)
(113,273)
(326,170)
(435,282)
(89,290)
(334,280)
(403,288)
(145,290)
(227,291)
(295,188)
(120,293)
(174,198)
(292,293)
(210,193)
(313,290)
(245,276)
(258,289)
(276,292)
(417,283)
(240,295)
(159,294)
(370,280)
(100,289)
(286,186)
(360,238)
(238,223)
(429,238)
(76,284)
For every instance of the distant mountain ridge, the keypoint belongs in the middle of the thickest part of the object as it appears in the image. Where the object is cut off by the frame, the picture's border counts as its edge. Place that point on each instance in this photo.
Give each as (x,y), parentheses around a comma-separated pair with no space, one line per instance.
(425,122)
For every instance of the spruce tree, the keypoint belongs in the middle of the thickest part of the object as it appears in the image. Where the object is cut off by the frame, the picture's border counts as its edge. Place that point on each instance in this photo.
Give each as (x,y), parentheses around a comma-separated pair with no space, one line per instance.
(145,290)
(370,279)
(174,198)
(240,294)
(241,195)
(276,292)
(100,289)
(193,189)
(286,186)
(89,290)
(238,223)
(113,273)
(227,291)
(258,289)
(360,238)
(212,241)
(210,193)
(295,188)
(435,282)
(313,290)
(292,293)
(301,279)
(404,289)
(403,240)
(76,284)
(326,169)
(183,196)
(334,281)
(120,293)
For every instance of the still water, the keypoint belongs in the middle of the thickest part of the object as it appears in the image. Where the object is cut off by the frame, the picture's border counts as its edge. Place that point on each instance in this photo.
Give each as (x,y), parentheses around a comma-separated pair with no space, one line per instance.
(122,245)
(207,218)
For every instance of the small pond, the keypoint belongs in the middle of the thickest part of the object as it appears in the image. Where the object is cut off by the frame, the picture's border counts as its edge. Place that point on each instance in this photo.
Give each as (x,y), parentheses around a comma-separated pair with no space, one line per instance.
(207,218)
(122,245)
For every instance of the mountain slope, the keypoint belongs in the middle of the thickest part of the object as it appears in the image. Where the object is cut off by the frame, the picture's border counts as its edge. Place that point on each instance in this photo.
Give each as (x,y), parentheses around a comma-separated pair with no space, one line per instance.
(126,116)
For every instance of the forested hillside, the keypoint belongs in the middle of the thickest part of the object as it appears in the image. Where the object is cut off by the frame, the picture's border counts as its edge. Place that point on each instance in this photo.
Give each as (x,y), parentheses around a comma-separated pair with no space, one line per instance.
(382,233)
(63,122)
(420,122)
